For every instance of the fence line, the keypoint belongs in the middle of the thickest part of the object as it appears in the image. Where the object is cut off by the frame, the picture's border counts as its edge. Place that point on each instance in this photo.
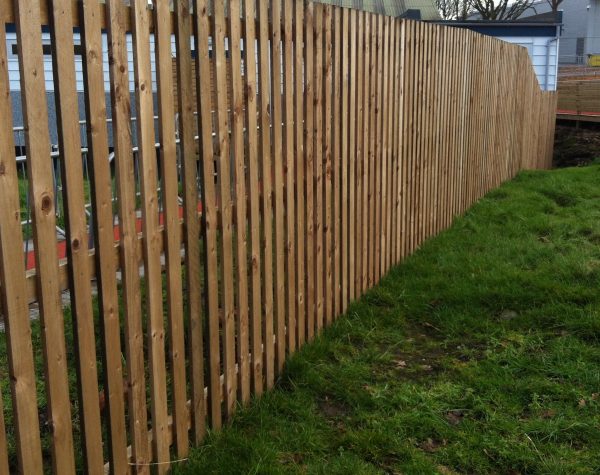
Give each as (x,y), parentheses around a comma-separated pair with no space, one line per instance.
(579,98)
(307,160)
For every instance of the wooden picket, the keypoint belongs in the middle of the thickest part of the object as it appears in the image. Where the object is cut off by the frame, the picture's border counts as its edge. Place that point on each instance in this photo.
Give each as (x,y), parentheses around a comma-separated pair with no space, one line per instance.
(300,150)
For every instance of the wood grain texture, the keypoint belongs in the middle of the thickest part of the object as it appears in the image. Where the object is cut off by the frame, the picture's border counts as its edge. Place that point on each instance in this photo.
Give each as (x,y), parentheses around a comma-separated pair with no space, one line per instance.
(331,143)
(40,177)
(209,215)
(250,58)
(170,208)
(13,292)
(129,254)
(69,142)
(189,170)
(152,253)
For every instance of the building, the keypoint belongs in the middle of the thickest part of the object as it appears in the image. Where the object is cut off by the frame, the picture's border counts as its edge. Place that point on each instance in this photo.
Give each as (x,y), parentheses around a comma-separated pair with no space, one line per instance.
(15,83)
(539,34)
(415,9)
(581,28)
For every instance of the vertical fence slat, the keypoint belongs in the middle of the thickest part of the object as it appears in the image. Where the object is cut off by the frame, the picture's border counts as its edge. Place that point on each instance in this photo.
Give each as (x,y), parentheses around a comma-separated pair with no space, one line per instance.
(373,134)
(290,179)
(347,167)
(225,207)
(386,172)
(150,245)
(278,157)
(360,155)
(128,245)
(69,141)
(383,123)
(299,44)
(267,191)
(399,138)
(337,168)
(352,157)
(189,171)
(170,206)
(209,209)
(309,81)
(327,166)
(13,291)
(253,180)
(241,230)
(364,65)
(40,175)
(318,165)
(406,132)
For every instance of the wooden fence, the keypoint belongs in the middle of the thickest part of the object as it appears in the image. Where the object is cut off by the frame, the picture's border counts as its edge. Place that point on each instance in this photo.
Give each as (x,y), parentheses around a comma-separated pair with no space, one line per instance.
(579,100)
(351,138)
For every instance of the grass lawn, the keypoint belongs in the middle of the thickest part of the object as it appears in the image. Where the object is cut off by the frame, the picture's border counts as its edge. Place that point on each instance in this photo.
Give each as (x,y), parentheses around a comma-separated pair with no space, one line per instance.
(479,354)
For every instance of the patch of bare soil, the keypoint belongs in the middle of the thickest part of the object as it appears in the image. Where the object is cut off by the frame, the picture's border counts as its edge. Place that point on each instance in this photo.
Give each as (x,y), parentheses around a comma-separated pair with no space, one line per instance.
(576,146)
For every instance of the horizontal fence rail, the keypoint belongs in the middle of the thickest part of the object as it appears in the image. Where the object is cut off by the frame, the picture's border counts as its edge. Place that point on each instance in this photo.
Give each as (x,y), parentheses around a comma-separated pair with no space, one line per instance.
(579,98)
(285,154)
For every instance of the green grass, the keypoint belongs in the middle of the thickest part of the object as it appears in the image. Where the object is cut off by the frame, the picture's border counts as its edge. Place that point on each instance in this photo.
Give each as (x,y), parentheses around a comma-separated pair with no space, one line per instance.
(479,354)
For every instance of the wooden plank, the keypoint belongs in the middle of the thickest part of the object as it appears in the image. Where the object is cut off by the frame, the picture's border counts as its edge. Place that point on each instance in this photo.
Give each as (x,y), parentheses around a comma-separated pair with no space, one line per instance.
(209,215)
(416,115)
(372,137)
(256,340)
(7,15)
(170,207)
(365,65)
(392,155)
(39,170)
(318,163)
(267,202)
(191,233)
(433,141)
(357,68)
(398,132)
(225,204)
(426,135)
(241,229)
(69,142)
(384,145)
(149,207)
(328,299)
(420,133)
(352,158)
(104,235)
(381,144)
(13,292)
(278,157)
(337,168)
(347,199)
(300,89)
(309,120)
(446,160)
(290,198)
(406,112)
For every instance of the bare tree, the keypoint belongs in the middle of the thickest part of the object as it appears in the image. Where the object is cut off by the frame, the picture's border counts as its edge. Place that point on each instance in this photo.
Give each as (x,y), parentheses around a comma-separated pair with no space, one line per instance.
(453,9)
(554,4)
(501,9)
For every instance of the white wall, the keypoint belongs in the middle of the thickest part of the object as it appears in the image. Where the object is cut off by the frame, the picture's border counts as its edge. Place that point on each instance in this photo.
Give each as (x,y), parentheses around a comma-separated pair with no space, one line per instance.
(544,57)
(592,45)
(13,63)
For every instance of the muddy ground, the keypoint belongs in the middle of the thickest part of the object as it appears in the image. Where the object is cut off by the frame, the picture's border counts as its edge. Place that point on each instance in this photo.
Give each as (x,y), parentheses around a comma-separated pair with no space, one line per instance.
(576,146)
